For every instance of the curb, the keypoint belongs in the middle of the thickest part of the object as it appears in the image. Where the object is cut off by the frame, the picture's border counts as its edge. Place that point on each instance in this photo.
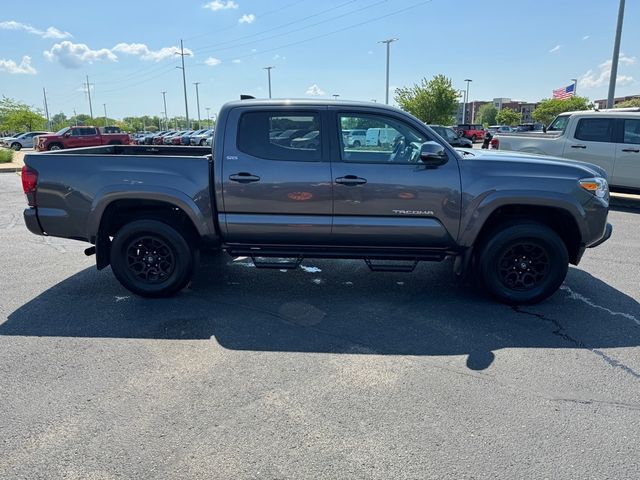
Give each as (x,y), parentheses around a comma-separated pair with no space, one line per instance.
(12,168)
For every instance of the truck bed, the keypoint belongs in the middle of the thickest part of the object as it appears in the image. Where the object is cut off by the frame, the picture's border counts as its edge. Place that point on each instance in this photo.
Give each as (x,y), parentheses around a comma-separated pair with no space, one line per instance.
(146,150)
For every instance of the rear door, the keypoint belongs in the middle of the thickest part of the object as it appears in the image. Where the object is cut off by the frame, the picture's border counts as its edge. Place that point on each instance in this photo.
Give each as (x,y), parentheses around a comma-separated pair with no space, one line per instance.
(83,137)
(275,192)
(383,195)
(626,172)
(592,140)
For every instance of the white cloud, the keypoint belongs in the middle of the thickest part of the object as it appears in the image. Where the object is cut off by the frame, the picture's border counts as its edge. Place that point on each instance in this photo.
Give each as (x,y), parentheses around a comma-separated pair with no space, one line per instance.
(145,53)
(212,61)
(237,60)
(555,49)
(600,78)
(73,55)
(24,67)
(218,5)
(370,52)
(250,18)
(314,91)
(586,37)
(50,32)
(254,50)
(277,56)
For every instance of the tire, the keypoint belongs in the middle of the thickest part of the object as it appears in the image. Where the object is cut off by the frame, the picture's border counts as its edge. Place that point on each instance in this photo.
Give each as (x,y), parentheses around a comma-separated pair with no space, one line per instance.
(16,146)
(54,146)
(522,263)
(356,144)
(175,255)
(203,142)
(473,138)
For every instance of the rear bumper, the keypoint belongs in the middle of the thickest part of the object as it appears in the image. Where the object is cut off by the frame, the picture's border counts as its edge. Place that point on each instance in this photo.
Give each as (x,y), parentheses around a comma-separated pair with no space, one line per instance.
(31,221)
(607,234)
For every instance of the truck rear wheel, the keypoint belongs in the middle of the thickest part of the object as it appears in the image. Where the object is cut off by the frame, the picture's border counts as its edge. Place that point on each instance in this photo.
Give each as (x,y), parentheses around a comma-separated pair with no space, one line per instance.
(152,259)
(55,146)
(522,263)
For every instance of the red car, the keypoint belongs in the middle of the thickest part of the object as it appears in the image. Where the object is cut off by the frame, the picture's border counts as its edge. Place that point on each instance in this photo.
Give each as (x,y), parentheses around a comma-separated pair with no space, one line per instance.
(472,131)
(74,137)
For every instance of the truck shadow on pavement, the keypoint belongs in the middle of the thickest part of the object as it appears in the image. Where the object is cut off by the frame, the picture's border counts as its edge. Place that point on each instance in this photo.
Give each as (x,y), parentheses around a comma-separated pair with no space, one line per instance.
(335,307)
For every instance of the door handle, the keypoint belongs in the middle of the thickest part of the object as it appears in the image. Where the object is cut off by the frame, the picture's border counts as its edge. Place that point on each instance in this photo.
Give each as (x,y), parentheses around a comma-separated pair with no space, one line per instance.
(351,180)
(578,146)
(634,150)
(244,177)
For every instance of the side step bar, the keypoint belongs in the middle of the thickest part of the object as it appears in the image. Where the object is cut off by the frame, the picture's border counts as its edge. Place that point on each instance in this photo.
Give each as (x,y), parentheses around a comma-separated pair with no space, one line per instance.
(382,266)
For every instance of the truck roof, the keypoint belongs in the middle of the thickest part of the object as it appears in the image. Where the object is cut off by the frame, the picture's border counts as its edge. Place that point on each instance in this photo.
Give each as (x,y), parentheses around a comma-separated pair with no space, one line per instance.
(610,112)
(281,102)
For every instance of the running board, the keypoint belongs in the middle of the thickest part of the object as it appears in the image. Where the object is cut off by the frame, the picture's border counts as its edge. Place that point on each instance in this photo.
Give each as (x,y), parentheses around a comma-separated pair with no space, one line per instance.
(275,263)
(381,266)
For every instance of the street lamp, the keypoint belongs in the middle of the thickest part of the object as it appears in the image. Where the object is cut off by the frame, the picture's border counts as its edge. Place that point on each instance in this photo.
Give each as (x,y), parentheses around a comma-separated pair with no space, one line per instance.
(268,69)
(466,100)
(335,96)
(105,114)
(166,120)
(616,55)
(208,118)
(198,102)
(388,42)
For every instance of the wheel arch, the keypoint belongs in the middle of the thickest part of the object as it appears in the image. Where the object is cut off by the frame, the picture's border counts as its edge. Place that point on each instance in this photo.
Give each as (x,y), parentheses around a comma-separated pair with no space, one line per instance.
(563,216)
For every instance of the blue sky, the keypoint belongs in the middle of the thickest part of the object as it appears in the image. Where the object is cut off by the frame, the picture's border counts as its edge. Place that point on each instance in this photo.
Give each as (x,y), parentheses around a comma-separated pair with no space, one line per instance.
(516,48)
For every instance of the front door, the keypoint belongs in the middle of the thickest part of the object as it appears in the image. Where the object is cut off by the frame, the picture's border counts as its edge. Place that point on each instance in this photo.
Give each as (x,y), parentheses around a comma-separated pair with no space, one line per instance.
(276,191)
(384,195)
(592,142)
(83,137)
(626,172)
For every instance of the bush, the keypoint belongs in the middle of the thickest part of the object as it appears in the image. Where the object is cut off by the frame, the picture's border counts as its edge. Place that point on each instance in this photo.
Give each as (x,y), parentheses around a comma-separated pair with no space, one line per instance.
(6,155)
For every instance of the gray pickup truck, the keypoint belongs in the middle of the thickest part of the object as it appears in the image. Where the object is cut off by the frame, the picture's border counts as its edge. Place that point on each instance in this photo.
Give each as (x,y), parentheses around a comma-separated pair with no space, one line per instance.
(281,183)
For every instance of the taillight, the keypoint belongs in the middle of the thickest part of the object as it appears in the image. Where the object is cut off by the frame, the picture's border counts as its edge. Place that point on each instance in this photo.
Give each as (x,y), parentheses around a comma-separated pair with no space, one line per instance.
(30,184)
(495,143)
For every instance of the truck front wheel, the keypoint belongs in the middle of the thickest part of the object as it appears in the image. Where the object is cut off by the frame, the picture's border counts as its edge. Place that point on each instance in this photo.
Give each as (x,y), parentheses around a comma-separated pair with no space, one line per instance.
(152,259)
(522,263)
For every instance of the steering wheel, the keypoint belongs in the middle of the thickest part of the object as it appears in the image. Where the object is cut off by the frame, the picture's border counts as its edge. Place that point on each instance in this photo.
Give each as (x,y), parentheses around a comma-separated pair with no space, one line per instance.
(398,150)
(414,152)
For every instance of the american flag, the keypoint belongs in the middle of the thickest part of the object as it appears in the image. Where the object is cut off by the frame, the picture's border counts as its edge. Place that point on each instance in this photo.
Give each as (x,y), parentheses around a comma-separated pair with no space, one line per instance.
(565,92)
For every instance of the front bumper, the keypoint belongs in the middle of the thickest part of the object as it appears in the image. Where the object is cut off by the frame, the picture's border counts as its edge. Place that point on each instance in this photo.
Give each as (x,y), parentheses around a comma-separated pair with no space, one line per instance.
(607,234)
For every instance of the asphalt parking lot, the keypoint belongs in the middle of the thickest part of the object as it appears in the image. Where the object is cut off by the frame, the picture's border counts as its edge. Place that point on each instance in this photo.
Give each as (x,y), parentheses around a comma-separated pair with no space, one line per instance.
(329,371)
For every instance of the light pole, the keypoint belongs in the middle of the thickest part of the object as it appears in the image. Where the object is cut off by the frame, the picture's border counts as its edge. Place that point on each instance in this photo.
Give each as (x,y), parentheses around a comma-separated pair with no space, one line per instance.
(46,108)
(105,114)
(184,81)
(89,95)
(198,102)
(575,86)
(164,100)
(466,100)
(162,115)
(208,117)
(268,69)
(616,55)
(388,42)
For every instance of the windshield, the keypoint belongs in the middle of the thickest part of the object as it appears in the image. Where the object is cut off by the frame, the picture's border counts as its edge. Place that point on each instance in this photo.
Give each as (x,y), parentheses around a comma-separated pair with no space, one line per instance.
(63,131)
(559,124)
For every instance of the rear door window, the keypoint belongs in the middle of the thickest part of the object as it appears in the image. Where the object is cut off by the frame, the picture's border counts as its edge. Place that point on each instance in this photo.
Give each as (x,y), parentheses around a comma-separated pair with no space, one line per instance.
(256,136)
(632,132)
(595,130)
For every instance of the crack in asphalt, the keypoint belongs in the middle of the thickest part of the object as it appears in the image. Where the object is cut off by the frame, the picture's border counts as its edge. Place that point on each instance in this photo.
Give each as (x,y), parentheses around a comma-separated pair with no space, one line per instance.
(560,331)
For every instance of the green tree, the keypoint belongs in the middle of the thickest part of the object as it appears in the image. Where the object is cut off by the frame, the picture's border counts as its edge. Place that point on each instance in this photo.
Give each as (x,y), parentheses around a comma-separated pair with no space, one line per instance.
(506,116)
(432,101)
(550,108)
(59,121)
(487,114)
(634,102)
(17,116)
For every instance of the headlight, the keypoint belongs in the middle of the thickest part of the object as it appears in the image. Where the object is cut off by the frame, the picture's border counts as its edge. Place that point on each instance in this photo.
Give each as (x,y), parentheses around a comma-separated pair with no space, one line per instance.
(597,186)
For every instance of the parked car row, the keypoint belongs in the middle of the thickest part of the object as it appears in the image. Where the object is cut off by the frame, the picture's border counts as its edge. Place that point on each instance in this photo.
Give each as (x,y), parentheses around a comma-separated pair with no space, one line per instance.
(174,137)
(21,140)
